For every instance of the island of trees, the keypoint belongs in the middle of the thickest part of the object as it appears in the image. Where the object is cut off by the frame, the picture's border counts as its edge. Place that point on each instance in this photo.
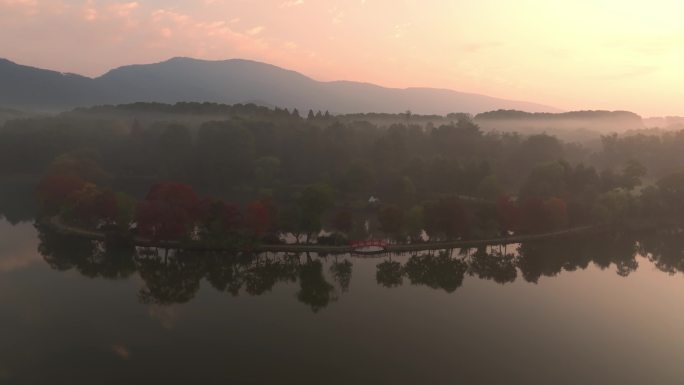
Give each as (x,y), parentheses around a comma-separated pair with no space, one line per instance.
(237,176)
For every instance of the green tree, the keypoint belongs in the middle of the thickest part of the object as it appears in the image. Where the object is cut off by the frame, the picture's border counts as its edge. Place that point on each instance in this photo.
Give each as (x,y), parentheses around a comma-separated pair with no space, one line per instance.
(267,170)
(632,174)
(614,206)
(313,203)
(391,220)
(415,223)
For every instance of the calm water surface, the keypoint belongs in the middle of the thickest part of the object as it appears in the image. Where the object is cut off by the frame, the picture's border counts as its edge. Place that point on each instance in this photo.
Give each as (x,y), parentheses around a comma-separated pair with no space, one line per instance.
(74,316)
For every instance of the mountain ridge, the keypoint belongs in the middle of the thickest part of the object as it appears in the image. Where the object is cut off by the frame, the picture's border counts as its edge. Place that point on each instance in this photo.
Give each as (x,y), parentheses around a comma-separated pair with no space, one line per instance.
(231,81)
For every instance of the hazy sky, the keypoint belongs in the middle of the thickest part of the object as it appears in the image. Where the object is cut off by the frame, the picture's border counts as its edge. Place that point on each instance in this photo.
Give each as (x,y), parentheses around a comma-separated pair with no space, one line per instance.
(569,54)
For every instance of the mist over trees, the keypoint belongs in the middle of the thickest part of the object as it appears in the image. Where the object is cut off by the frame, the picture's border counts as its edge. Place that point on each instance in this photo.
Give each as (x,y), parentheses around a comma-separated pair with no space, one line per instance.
(251,173)
(598,121)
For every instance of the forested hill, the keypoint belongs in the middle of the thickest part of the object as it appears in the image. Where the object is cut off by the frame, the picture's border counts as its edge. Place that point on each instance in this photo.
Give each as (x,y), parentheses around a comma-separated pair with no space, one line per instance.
(230,81)
(601,121)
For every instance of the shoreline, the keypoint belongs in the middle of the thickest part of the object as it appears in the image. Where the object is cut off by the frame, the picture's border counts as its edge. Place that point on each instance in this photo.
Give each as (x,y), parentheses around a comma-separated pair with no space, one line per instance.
(56,224)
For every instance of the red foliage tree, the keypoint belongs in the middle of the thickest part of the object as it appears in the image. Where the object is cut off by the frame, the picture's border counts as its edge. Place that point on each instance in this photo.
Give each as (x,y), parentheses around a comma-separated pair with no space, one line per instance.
(218,217)
(538,215)
(56,191)
(259,217)
(533,215)
(556,213)
(159,221)
(508,213)
(168,211)
(174,194)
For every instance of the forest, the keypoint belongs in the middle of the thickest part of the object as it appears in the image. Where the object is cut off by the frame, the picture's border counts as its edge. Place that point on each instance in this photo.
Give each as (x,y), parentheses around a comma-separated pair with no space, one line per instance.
(240,174)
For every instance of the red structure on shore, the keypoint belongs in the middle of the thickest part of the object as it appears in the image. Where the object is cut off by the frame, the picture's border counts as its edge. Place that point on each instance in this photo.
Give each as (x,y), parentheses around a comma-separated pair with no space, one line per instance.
(368,243)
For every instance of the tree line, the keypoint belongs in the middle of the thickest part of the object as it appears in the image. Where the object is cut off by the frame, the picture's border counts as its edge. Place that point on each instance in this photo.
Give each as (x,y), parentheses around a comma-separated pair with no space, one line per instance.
(406,181)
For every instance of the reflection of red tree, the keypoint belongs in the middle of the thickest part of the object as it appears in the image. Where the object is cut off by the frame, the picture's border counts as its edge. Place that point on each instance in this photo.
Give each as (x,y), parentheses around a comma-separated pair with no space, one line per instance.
(56,191)
(168,211)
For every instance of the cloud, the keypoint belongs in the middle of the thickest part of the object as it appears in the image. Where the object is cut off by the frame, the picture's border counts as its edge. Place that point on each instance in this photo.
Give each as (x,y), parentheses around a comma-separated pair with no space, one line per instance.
(90,14)
(291,3)
(123,9)
(337,14)
(255,31)
(400,30)
(22,7)
(19,3)
(127,32)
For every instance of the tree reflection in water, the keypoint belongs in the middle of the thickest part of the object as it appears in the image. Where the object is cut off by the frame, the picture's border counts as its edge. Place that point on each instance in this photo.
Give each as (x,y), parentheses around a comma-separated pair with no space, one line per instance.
(665,249)
(341,272)
(314,290)
(90,258)
(495,265)
(169,280)
(172,277)
(390,274)
(440,271)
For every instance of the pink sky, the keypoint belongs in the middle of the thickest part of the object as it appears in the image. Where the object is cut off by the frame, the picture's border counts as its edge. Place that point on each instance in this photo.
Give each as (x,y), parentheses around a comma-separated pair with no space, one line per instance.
(599,54)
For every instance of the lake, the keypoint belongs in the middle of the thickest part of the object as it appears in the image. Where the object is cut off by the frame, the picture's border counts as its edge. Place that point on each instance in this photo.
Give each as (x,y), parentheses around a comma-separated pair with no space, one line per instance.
(606,310)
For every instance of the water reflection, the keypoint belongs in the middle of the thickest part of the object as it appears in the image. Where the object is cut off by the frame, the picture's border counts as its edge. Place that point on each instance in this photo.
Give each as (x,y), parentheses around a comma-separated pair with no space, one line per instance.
(665,249)
(172,277)
(390,274)
(91,259)
(440,271)
(17,202)
(17,247)
(496,265)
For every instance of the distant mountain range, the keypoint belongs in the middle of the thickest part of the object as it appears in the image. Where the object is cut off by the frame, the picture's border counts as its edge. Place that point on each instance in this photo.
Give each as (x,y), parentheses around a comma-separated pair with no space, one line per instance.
(230,81)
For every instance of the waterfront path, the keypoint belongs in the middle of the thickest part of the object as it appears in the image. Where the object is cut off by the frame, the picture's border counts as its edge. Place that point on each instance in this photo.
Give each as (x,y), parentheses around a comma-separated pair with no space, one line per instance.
(58,225)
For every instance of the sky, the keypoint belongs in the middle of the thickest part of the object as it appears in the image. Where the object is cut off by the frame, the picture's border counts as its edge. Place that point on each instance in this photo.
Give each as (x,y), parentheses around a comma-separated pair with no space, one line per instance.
(573,55)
